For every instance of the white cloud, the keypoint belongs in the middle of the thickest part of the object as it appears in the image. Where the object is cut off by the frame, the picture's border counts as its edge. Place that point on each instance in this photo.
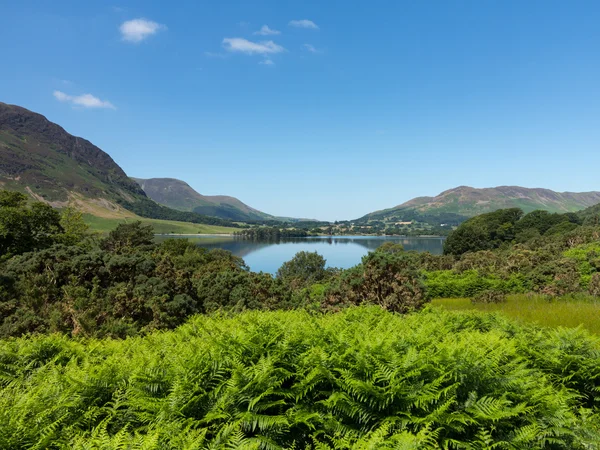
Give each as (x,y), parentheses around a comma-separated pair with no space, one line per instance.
(266,31)
(267,62)
(251,48)
(85,100)
(137,30)
(311,48)
(304,23)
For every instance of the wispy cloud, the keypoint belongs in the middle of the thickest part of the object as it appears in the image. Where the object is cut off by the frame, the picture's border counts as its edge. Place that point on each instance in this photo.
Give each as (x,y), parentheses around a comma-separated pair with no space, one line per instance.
(266,31)
(267,62)
(311,48)
(137,30)
(84,101)
(242,45)
(304,23)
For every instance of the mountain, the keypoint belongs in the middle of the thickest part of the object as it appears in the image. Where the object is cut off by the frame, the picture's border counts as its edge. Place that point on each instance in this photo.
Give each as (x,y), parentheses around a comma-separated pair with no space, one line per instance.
(40,158)
(179,195)
(468,202)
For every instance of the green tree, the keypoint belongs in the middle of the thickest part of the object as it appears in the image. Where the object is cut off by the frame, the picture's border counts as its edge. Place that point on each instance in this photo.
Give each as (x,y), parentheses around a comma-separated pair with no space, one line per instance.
(129,236)
(483,232)
(25,228)
(304,269)
(74,228)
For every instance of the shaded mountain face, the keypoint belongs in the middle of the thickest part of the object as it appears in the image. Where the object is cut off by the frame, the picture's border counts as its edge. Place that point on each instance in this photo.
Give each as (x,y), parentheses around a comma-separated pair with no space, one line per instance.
(467,201)
(41,158)
(179,195)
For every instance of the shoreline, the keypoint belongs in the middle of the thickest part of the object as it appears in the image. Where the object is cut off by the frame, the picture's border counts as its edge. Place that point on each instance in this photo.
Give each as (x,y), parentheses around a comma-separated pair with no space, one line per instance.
(317,235)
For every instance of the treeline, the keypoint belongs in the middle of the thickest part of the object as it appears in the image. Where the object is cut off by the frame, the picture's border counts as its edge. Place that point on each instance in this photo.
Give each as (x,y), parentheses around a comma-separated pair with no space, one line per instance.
(507,251)
(270,233)
(145,207)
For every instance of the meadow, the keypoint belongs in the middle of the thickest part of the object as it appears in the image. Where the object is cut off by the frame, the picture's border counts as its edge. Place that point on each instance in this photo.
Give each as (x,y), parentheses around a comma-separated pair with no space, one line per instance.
(571,311)
(105,225)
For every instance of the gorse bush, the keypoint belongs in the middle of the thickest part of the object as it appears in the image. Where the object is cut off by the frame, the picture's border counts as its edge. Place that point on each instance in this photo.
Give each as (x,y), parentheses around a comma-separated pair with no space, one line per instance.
(359,379)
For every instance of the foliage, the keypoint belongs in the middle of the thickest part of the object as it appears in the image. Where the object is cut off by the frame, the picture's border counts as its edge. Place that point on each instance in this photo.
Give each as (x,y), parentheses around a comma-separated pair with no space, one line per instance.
(387,277)
(271,233)
(484,232)
(74,227)
(359,379)
(492,230)
(125,284)
(25,228)
(304,269)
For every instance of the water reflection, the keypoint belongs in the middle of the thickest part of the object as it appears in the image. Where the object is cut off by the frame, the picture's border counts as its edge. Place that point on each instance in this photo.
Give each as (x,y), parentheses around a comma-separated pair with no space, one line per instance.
(339,251)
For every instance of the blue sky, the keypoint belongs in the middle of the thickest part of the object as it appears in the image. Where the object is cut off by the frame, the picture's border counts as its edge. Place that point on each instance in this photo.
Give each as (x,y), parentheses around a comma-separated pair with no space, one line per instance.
(335,109)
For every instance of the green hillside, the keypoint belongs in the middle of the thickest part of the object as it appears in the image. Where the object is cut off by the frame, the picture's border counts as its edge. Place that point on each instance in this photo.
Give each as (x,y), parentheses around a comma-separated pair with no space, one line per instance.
(468,202)
(179,195)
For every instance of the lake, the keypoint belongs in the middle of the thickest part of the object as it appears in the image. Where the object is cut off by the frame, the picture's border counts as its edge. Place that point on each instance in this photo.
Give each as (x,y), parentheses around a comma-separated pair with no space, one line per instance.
(339,251)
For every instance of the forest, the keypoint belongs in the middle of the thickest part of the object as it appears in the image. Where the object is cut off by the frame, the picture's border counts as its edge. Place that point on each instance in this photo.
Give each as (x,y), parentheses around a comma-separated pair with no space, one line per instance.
(113,341)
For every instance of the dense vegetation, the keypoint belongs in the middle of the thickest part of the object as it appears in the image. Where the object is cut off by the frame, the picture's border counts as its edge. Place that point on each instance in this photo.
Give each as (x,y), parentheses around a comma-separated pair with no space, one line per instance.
(361,379)
(286,375)
(56,278)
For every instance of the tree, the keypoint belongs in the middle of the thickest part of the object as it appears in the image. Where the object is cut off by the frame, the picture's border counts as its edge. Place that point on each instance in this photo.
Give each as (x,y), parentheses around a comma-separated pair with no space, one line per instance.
(128,236)
(304,269)
(483,232)
(25,228)
(74,228)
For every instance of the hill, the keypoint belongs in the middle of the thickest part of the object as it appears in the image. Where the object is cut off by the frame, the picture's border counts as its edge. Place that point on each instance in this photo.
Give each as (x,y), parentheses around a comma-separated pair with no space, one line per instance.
(179,195)
(468,202)
(41,159)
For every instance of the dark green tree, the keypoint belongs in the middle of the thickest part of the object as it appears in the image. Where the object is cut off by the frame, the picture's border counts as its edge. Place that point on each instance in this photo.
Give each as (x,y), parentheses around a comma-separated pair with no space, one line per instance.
(304,269)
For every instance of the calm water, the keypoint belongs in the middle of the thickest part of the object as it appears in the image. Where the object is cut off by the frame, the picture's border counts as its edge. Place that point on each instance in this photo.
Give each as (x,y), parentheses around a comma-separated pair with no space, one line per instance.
(339,251)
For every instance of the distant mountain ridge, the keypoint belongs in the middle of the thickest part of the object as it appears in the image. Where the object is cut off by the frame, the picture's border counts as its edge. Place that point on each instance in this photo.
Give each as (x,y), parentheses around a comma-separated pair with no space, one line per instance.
(179,195)
(468,201)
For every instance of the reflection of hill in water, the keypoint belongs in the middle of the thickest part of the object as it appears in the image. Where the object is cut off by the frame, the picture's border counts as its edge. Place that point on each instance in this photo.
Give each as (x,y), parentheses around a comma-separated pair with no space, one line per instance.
(242,247)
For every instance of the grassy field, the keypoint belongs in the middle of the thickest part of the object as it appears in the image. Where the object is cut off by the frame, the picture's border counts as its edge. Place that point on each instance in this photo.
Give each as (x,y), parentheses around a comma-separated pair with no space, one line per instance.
(566,312)
(104,225)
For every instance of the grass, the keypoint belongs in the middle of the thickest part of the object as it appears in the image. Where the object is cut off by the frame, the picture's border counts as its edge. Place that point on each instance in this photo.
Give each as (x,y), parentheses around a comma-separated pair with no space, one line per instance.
(566,312)
(104,225)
